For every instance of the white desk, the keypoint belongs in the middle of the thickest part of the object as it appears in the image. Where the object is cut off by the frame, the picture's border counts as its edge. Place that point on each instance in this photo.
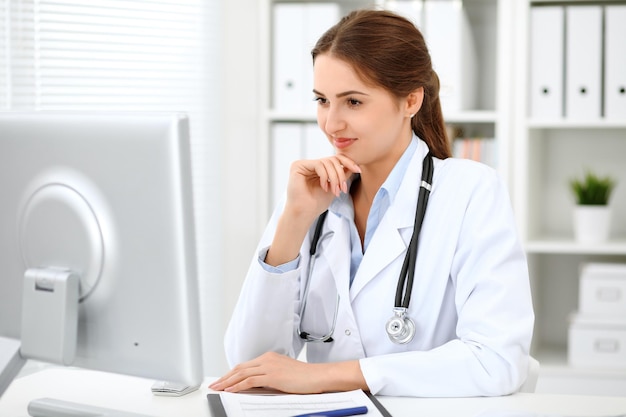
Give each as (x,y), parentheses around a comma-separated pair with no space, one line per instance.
(134,395)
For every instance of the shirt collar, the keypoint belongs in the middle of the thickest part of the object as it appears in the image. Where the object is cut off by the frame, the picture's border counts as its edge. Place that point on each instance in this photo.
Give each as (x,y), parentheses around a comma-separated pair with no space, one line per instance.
(393,181)
(343,206)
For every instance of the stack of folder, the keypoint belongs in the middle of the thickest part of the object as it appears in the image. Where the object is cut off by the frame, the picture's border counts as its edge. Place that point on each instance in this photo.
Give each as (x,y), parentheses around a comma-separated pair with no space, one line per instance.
(577,63)
(445,25)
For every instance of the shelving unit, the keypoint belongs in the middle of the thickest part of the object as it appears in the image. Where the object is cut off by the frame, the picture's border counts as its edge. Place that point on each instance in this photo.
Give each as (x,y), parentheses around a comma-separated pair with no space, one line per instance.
(547,154)
(490,22)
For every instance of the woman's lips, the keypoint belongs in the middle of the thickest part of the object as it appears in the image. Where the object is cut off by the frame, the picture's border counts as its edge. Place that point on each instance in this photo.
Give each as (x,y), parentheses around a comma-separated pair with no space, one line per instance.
(342,143)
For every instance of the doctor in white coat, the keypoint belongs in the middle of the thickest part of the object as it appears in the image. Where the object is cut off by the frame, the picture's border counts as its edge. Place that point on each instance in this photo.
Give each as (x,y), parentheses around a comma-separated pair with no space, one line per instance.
(470,302)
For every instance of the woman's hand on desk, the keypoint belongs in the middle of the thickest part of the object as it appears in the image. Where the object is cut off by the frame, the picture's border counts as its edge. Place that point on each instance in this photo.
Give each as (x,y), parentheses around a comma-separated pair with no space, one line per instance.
(280,372)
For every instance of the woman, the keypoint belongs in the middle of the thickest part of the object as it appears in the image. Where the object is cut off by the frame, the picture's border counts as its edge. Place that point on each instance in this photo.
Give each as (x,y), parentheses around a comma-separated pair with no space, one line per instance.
(470,302)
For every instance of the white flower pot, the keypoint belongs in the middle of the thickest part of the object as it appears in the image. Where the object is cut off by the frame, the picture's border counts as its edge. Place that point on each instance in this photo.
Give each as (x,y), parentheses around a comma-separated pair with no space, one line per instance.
(592,224)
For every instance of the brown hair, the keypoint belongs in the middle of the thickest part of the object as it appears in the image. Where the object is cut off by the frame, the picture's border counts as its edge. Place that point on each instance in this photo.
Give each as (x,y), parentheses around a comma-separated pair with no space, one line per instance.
(389,51)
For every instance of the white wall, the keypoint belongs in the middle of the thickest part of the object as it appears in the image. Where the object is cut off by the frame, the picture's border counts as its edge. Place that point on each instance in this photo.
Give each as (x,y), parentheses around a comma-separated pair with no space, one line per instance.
(241,223)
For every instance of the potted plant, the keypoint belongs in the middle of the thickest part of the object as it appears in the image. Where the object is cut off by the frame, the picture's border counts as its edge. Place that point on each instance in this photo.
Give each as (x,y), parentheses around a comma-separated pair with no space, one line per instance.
(592,215)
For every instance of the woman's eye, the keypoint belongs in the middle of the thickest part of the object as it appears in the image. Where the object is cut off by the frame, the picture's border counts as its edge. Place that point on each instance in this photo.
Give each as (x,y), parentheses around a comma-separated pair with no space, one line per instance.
(320,100)
(353,102)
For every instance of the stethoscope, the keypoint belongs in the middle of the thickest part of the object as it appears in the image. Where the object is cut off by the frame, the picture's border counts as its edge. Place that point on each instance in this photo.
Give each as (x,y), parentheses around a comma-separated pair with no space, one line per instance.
(400,328)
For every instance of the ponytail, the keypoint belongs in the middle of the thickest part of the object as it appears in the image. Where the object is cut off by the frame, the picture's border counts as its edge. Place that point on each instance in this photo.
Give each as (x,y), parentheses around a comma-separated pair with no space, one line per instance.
(428,124)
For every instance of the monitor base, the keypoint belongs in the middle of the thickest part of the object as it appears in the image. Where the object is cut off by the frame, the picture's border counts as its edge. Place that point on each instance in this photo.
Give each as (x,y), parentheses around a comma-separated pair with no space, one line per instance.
(11,361)
(49,407)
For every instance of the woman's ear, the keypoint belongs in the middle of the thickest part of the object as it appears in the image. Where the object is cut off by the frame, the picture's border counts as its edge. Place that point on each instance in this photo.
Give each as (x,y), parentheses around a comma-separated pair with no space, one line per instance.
(414,101)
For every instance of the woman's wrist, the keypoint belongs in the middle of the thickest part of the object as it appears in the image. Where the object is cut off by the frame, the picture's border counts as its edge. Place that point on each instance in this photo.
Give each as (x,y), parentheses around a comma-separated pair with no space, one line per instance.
(339,376)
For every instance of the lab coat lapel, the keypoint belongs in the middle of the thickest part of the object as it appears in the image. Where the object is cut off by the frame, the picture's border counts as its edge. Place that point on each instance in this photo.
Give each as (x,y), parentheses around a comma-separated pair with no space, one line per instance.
(394,231)
(386,246)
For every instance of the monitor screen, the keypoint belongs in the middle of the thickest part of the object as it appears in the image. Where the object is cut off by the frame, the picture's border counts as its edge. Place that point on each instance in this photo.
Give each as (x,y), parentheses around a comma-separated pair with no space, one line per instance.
(103,203)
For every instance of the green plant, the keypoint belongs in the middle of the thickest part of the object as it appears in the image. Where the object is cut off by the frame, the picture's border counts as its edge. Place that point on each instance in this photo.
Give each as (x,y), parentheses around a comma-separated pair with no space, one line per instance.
(592,189)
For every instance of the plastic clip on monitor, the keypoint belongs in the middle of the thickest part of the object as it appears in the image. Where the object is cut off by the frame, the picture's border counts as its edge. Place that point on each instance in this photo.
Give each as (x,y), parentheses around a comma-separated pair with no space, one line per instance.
(97,245)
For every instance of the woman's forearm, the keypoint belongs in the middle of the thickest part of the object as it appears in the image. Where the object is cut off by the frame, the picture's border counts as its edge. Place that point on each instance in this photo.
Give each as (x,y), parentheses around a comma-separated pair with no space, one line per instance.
(290,232)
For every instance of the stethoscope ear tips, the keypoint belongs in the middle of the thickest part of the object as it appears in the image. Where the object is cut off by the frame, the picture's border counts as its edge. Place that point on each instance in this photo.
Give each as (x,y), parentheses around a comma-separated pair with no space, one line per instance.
(400,329)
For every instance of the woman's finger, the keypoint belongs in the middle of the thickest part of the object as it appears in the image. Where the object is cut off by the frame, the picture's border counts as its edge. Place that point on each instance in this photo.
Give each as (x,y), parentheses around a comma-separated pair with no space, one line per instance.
(333,173)
(236,375)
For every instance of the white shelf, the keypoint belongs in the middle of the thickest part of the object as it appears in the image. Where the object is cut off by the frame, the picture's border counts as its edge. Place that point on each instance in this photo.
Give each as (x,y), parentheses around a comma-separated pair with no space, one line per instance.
(277,116)
(566,245)
(473,116)
(557,376)
(540,2)
(548,153)
(476,116)
(574,124)
(553,360)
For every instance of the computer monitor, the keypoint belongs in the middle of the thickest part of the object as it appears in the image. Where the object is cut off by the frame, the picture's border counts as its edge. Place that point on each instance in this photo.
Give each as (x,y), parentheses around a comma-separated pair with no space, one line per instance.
(97,247)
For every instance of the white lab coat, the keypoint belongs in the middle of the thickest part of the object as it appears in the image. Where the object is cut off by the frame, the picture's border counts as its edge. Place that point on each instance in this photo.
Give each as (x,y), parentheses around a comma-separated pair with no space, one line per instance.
(471,298)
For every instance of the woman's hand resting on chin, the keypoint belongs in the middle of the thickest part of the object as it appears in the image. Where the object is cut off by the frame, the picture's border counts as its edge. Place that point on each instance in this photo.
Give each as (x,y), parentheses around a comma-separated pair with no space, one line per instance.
(314,183)
(312,186)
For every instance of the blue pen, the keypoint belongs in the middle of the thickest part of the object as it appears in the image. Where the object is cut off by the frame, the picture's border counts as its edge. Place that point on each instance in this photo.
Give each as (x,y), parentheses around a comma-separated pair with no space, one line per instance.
(343,412)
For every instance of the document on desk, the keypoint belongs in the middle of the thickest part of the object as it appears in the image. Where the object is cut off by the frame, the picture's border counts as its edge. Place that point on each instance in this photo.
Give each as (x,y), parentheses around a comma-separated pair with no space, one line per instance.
(288,405)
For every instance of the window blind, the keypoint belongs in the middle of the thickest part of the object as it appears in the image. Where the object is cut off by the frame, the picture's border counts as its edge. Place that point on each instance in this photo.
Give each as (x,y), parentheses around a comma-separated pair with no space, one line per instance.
(127,55)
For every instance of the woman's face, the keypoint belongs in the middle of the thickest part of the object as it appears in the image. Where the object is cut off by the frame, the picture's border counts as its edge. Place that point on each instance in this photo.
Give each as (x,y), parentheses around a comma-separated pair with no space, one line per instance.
(363,122)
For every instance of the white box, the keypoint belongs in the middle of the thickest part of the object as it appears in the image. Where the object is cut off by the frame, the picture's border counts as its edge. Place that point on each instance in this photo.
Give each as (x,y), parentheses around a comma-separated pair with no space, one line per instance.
(602,289)
(595,342)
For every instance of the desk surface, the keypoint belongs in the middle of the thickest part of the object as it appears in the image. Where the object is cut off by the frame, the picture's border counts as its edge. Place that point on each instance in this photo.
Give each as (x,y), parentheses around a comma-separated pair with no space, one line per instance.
(134,395)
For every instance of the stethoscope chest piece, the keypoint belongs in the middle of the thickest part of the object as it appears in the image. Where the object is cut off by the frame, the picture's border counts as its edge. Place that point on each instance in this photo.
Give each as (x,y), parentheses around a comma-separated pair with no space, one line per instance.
(400,328)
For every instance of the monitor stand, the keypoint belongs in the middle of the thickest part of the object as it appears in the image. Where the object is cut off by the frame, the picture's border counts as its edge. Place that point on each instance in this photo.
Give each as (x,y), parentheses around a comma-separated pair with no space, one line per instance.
(11,362)
(59,314)
(49,407)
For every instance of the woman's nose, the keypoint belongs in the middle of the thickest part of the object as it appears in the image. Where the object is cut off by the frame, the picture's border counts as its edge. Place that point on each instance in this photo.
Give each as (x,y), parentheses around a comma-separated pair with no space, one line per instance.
(333,121)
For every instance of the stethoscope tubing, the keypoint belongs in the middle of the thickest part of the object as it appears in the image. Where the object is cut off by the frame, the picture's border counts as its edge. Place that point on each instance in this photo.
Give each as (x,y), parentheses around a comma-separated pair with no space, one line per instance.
(312,257)
(407,273)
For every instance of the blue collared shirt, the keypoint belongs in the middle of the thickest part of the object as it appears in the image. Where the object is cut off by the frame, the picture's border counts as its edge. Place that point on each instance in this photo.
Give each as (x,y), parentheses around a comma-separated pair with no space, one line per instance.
(382,200)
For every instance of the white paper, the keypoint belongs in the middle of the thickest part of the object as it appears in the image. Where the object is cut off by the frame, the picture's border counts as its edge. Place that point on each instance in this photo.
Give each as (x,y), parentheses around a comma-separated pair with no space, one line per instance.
(245,405)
